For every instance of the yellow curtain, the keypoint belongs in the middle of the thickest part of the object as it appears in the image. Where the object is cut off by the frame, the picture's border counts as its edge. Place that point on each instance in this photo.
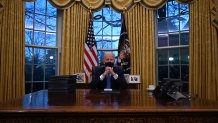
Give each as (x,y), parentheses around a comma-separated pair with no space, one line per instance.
(203,73)
(140,26)
(11,49)
(214,12)
(1,7)
(75,25)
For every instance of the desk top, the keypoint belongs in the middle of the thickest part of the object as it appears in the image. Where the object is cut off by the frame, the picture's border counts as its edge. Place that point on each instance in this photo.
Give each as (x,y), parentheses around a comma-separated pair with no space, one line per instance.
(85,100)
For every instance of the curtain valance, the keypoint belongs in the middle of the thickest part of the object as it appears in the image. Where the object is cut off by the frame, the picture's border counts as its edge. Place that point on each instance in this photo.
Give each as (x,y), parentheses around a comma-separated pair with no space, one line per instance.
(62,4)
(118,5)
(185,1)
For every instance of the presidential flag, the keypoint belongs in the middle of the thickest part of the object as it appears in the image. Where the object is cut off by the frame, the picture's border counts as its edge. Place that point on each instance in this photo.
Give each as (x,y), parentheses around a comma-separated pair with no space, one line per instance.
(124,49)
(90,53)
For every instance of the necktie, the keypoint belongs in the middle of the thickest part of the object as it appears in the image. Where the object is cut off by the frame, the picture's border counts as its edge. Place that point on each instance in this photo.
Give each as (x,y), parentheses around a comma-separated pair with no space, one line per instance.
(108,86)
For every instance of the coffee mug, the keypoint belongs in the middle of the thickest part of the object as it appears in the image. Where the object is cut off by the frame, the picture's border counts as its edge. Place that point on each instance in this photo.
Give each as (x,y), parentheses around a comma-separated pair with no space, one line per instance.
(151,86)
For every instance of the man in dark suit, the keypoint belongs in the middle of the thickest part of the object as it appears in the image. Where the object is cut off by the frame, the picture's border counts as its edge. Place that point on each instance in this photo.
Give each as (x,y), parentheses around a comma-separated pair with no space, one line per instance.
(107,76)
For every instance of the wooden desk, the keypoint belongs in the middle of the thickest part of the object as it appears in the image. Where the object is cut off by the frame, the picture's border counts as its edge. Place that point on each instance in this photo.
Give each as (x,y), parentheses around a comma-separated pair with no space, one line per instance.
(87,86)
(85,106)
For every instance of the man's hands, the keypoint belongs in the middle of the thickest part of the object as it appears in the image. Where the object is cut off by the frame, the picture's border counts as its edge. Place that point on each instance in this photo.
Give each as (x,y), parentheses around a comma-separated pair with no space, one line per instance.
(109,70)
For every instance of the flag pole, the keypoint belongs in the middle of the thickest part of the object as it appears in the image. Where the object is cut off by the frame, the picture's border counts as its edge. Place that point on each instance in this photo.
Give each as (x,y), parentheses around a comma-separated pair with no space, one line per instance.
(90,53)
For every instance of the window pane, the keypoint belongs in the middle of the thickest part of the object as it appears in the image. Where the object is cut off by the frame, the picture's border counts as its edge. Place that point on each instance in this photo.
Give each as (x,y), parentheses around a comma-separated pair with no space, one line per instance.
(173,39)
(184,72)
(174,71)
(98,39)
(116,16)
(184,56)
(29,20)
(107,14)
(106,42)
(173,24)
(162,25)
(115,53)
(36,87)
(162,12)
(98,16)
(184,9)
(100,56)
(39,38)
(39,22)
(40,6)
(184,22)
(97,26)
(174,56)
(28,55)
(184,38)
(28,36)
(163,57)
(162,72)
(107,29)
(106,45)
(116,56)
(115,42)
(50,39)
(39,56)
(51,24)
(116,30)
(28,72)
(162,40)
(49,71)
(50,57)
(29,7)
(38,73)
(173,8)
(51,11)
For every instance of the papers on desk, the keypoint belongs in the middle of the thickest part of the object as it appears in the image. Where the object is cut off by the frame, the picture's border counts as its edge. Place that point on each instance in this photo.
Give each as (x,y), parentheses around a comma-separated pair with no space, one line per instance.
(110,91)
(107,89)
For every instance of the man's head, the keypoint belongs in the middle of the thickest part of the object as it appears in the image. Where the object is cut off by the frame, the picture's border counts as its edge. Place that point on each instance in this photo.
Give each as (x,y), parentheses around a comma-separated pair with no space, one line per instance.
(122,55)
(108,59)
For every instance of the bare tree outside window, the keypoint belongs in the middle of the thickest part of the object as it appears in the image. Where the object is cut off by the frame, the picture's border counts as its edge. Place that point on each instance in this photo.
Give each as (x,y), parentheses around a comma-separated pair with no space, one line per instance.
(40,40)
(173,42)
(107,27)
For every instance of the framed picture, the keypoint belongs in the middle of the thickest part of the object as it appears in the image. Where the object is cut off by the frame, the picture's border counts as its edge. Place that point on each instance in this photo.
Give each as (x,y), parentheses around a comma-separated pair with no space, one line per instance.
(134,78)
(80,78)
(126,77)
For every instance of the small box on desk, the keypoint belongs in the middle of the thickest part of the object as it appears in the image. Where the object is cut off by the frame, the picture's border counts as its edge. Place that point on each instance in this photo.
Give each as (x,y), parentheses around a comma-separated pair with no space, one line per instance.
(62,84)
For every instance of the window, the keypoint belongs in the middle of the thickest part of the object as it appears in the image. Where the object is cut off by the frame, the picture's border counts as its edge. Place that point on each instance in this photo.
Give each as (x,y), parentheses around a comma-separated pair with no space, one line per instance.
(107,27)
(40,44)
(173,42)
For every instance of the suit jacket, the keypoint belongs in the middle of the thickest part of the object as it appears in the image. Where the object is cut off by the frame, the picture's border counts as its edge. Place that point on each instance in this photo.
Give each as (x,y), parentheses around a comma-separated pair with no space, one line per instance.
(96,83)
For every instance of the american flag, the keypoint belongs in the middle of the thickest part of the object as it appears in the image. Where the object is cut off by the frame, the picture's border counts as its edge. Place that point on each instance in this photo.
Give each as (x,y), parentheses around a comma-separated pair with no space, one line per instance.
(90,53)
